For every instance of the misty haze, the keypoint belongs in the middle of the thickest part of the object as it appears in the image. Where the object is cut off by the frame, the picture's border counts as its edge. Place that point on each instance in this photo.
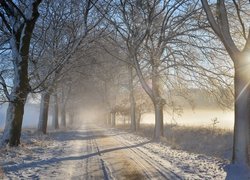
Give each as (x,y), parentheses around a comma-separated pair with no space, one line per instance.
(125,89)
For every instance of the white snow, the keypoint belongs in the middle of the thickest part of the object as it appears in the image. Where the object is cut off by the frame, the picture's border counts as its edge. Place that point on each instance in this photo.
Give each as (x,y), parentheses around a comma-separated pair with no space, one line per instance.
(95,152)
(190,166)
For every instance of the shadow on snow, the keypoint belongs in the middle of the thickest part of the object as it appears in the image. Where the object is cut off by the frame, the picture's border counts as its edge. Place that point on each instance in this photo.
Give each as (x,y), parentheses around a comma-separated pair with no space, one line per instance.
(69,158)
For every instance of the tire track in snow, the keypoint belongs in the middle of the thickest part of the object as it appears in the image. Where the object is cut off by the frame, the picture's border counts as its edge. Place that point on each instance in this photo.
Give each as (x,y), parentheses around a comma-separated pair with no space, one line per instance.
(107,173)
(149,175)
(88,159)
(142,157)
(150,168)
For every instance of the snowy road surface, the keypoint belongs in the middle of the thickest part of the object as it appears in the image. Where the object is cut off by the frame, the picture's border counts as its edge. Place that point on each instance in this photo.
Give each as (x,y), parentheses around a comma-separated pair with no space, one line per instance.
(96,153)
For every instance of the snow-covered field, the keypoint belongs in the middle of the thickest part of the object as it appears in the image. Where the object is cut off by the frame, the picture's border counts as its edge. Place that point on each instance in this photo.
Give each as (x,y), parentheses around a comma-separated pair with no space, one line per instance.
(200,140)
(92,152)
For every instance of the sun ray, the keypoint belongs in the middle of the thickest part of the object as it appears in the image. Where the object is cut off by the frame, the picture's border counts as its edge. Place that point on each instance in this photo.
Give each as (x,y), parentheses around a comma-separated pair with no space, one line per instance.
(242,91)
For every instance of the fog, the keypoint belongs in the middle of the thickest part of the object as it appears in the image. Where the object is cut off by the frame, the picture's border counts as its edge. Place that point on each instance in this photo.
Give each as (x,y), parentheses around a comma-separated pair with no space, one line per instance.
(198,117)
(90,114)
(91,110)
(31,115)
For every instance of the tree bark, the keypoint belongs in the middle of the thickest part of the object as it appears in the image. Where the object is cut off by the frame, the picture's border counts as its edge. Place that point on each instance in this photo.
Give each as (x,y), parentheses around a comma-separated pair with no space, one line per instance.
(159,126)
(44,111)
(63,115)
(55,123)
(132,100)
(221,27)
(138,122)
(113,119)
(71,118)
(158,101)
(21,32)
(14,119)
(242,117)
(109,119)
(18,96)
(132,116)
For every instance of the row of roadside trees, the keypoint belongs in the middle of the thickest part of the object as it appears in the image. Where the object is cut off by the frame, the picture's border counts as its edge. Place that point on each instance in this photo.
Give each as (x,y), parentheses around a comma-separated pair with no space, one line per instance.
(125,47)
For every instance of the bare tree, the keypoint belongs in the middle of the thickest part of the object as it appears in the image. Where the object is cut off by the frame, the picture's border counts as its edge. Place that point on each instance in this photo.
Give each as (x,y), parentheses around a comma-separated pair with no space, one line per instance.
(219,19)
(110,73)
(132,98)
(20,20)
(147,29)
(65,94)
(65,33)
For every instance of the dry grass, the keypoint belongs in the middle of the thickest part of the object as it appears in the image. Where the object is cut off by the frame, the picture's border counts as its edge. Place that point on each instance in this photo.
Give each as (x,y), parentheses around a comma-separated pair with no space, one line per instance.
(202,140)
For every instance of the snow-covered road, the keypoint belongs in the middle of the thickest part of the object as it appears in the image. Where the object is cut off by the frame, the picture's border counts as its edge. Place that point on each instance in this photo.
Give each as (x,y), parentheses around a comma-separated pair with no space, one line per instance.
(92,152)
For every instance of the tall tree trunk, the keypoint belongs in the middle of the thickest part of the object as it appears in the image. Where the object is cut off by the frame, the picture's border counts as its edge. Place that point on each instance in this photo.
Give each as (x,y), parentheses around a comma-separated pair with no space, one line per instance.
(154,92)
(71,117)
(138,122)
(109,119)
(132,115)
(15,111)
(65,97)
(132,100)
(124,119)
(14,119)
(21,32)
(55,123)
(44,111)
(63,115)
(242,117)
(159,126)
(158,101)
(113,119)
(241,149)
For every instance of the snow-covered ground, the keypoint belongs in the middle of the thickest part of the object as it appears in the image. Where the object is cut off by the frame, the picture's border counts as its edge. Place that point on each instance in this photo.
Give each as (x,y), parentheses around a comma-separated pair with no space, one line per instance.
(92,152)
